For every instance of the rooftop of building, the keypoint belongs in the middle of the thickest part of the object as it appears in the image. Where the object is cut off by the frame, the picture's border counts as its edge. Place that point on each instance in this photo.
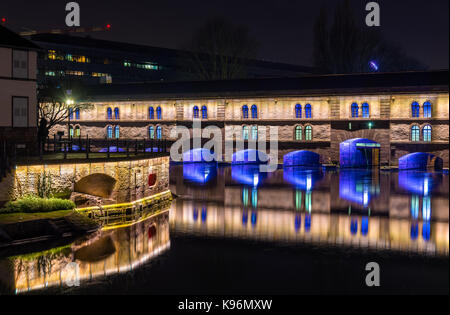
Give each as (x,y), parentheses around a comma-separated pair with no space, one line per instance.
(93,43)
(310,85)
(12,40)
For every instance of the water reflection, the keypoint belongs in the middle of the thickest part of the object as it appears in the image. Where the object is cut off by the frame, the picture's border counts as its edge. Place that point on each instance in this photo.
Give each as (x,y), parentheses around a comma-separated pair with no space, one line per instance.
(248,175)
(301,177)
(109,252)
(199,173)
(359,186)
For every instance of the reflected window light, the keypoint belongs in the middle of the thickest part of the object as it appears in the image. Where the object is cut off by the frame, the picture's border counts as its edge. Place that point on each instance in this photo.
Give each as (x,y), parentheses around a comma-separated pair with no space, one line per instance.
(298,222)
(245,217)
(366,196)
(354,226)
(254,197)
(426,208)
(365,226)
(425,186)
(307,223)
(254,218)
(245,197)
(415,200)
(195,214)
(204,214)
(255,179)
(298,199)
(308,182)
(308,202)
(426,231)
(414,231)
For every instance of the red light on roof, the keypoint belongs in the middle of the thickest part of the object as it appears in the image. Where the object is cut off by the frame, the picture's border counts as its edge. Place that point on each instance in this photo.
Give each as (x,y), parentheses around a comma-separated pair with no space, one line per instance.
(108,26)
(3,20)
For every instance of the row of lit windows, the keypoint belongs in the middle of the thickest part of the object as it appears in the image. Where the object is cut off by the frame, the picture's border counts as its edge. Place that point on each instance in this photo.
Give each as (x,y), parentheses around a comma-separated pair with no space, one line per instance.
(113,132)
(79,73)
(76,112)
(152,134)
(146,66)
(196,112)
(307,135)
(151,113)
(415,110)
(53,55)
(75,133)
(365,110)
(426,134)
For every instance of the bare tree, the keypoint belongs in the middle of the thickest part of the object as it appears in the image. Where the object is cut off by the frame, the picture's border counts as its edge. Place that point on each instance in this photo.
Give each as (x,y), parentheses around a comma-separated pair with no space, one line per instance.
(55,104)
(219,50)
(344,46)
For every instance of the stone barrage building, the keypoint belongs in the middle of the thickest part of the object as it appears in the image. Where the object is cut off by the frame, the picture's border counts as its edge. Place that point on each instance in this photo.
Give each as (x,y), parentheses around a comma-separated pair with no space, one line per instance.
(403,112)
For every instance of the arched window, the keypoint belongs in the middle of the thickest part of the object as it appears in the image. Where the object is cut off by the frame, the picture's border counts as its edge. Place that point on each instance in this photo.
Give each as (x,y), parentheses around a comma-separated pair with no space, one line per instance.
(77,114)
(116,113)
(245,111)
(109,113)
(415,108)
(70,113)
(254,132)
(308,111)
(77,131)
(151,113)
(355,110)
(245,133)
(365,110)
(151,132)
(117,132)
(298,111)
(159,113)
(415,133)
(427,110)
(308,133)
(204,112)
(159,132)
(109,132)
(71,131)
(427,133)
(298,133)
(254,112)
(195,112)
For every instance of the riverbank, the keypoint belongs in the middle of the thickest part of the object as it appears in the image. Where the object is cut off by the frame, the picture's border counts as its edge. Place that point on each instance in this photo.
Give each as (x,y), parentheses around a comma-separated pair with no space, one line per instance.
(21,229)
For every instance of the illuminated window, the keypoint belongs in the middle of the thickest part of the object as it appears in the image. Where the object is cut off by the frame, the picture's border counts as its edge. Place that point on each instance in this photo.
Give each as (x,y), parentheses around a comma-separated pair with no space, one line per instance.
(77,132)
(427,133)
(159,113)
(77,114)
(254,112)
(355,110)
(427,110)
(196,112)
(308,111)
(151,132)
(151,113)
(298,133)
(127,64)
(71,132)
(245,112)
(109,132)
(50,73)
(204,112)
(109,113)
(298,111)
(254,132)
(117,132)
(365,110)
(415,133)
(415,107)
(245,133)
(116,113)
(51,55)
(308,133)
(70,113)
(159,132)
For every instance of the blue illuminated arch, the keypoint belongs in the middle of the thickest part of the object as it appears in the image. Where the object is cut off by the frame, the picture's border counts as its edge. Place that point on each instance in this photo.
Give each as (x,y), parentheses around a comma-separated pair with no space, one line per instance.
(159,113)
(245,112)
(116,113)
(298,111)
(109,113)
(196,112)
(204,112)
(355,110)
(427,110)
(415,110)
(308,111)
(254,112)
(151,113)
(77,114)
(365,110)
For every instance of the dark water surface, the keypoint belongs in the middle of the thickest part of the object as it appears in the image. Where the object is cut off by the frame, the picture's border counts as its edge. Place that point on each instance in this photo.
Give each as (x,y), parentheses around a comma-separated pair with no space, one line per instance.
(233,230)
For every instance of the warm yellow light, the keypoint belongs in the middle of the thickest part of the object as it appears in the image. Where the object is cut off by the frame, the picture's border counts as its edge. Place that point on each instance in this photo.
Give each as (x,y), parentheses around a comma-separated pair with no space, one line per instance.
(70,102)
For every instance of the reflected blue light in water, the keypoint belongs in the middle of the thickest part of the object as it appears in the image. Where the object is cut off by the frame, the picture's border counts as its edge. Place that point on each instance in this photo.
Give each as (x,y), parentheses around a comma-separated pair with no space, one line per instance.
(354,226)
(426,208)
(254,218)
(199,173)
(249,157)
(204,214)
(302,178)
(358,186)
(298,222)
(245,218)
(307,222)
(199,155)
(254,198)
(365,226)
(419,183)
(414,230)
(426,231)
(248,175)
(415,206)
(195,215)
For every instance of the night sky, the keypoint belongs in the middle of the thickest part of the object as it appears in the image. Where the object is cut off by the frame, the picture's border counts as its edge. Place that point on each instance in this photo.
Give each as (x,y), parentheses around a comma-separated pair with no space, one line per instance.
(282,27)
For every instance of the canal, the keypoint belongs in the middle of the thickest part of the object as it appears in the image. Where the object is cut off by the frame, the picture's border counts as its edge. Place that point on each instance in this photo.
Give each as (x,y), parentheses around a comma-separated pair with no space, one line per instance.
(234,230)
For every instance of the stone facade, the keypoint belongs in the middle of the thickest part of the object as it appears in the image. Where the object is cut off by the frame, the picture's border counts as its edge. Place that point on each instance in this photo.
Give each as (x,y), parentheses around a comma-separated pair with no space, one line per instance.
(389,123)
(130,178)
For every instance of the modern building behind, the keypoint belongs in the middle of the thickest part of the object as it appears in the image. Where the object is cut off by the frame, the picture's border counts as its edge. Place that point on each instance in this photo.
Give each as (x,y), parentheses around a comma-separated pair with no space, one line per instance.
(94,61)
(18,90)
(401,112)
